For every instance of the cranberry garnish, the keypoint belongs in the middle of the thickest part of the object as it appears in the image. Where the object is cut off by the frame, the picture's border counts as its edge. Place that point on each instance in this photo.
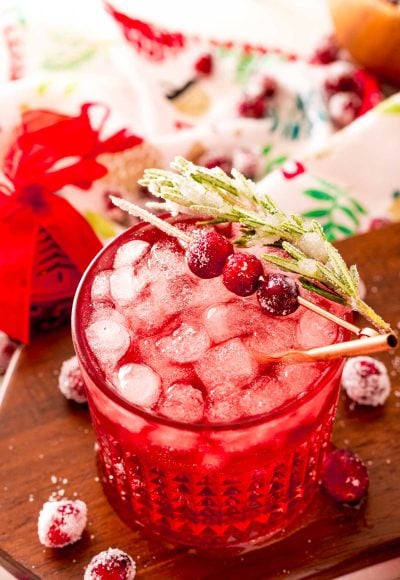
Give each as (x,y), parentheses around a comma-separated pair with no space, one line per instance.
(111,564)
(241,273)
(61,522)
(204,64)
(345,477)
(326,52)
(277,295)
(70,381)
(343,108)
(366,380)
(253,108)
(207,253)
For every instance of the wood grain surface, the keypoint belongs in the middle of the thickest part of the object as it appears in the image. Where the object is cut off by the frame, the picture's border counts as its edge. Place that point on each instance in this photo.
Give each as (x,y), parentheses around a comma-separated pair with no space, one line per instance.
(46,445)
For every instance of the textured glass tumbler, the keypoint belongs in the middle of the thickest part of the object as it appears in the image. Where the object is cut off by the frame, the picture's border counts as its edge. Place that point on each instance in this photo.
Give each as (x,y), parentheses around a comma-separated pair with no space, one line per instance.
(205,485)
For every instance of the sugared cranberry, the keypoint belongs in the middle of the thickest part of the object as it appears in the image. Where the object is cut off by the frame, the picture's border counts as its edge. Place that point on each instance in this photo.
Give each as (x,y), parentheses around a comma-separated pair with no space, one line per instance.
(341,79)
(204,64)
(253,108)
(366,380)
(262,86)
(326,52)
(277,295)
(61,522)
(207,253)
(241,273)
(368,366)
(70,381)
(111,564)
(7,348)
(343,108)
(345,477)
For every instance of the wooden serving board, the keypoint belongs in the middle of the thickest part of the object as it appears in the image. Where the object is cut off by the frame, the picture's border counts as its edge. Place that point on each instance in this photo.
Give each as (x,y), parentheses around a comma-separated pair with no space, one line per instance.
(46,444)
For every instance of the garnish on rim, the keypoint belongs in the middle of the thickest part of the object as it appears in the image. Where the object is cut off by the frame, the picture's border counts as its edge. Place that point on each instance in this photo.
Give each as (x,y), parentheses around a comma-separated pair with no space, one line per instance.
(196,190)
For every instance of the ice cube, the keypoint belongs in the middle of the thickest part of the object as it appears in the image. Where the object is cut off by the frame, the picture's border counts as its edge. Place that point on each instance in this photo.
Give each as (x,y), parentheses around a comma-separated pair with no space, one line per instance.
(186,344)
(271,336)
(126,285)
(106,312)
(298,378)
(263,395)
(130,253)
(223,405)
(108,340)
(225,321)
(170,373)
(315,330)
(209,292)
(139,384)
(229,363)
(145,315)
(171,295)
(182,402)
(167,258)
(100,291)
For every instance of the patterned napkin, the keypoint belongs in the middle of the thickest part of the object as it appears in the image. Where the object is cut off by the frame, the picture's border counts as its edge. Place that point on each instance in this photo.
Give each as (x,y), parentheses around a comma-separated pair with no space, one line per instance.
(350,184)
(188,95)
(270,114)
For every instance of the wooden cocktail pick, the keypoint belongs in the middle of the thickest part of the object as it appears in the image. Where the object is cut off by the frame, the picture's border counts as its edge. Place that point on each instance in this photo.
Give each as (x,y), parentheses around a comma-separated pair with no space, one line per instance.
(339,321)
(369,341)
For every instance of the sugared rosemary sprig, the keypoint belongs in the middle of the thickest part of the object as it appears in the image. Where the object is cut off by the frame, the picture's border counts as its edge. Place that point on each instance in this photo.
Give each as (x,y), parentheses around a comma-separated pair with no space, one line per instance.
(212,193)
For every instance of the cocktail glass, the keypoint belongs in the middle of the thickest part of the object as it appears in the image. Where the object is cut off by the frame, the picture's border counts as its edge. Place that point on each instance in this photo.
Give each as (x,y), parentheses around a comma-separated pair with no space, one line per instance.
(207,485)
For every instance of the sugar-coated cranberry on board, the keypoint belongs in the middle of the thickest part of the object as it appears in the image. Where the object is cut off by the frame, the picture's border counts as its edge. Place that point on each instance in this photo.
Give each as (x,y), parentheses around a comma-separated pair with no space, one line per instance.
(70,381)
(111,564)
(366,380)
(61,522)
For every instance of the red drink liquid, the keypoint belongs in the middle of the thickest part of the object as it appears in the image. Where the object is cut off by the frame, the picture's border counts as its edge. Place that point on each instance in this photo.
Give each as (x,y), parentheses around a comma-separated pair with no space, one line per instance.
(232,455)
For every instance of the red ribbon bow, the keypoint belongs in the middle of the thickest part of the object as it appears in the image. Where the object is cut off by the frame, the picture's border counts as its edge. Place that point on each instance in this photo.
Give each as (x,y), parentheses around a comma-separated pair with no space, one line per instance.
(51,151)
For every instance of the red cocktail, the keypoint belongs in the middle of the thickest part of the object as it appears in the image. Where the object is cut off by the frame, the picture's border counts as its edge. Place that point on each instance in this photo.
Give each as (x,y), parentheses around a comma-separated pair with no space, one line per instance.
(198,442)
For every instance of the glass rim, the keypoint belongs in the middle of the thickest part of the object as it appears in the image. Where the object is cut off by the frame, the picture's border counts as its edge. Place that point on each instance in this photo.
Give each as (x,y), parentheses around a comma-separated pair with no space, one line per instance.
(88,361)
